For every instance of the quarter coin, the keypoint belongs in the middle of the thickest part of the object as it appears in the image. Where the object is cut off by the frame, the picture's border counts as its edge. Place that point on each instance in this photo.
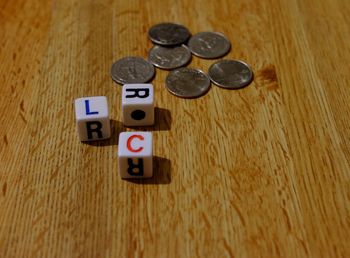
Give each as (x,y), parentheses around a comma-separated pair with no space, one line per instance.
(132,69)
(187,82)
(169,57)
(231,74)
(168,34)
(209,45)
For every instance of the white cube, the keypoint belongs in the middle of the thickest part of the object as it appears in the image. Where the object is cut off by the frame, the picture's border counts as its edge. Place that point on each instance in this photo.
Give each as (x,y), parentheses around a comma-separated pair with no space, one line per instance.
(92,118)
(138,104)
(135,155)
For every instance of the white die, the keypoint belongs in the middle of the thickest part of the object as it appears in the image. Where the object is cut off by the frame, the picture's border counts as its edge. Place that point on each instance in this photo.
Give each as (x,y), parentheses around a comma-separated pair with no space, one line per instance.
(92,118)
(138,104)
(135,155)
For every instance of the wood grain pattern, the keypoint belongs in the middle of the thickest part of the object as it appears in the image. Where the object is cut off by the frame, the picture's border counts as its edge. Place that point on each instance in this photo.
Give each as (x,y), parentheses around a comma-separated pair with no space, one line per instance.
(259,172)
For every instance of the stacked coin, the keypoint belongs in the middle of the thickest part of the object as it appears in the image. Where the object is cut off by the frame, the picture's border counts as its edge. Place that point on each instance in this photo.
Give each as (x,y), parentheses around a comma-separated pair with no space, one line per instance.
(173,49)
(170,52)
(132,69)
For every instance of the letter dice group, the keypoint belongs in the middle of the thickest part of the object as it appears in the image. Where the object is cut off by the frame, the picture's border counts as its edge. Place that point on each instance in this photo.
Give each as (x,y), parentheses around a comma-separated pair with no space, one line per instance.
(135,153)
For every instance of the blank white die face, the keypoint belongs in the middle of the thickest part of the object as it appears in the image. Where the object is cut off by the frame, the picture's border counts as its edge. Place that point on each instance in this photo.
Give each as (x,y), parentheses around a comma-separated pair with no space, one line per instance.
(138,104)
(135,155)
(92,118)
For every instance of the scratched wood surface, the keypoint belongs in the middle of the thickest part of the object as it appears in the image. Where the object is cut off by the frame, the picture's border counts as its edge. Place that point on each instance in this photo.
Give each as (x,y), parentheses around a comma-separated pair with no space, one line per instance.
(259,172)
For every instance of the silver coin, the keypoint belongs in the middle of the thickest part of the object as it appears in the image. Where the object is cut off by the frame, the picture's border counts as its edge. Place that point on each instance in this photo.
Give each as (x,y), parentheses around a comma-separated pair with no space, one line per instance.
(169,57)
(209,45)
(168,34)
(231,74)
(187,82)
(132,69)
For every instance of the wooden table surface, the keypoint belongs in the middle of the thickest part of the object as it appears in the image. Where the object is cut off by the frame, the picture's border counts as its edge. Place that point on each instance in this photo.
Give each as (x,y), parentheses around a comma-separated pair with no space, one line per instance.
(263,171)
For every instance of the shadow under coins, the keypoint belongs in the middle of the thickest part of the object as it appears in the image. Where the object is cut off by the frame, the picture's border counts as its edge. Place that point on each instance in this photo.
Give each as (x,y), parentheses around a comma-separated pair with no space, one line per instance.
(161,173)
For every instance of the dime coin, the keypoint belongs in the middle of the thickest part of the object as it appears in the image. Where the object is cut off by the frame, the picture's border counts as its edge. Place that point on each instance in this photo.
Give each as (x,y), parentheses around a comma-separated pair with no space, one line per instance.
(169,57)
(132,69)
(209,44)
(168,34)
(231,74)
(187,82)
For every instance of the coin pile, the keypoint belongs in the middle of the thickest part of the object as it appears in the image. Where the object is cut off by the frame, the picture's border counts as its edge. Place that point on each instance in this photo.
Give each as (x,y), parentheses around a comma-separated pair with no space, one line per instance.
(172,50)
